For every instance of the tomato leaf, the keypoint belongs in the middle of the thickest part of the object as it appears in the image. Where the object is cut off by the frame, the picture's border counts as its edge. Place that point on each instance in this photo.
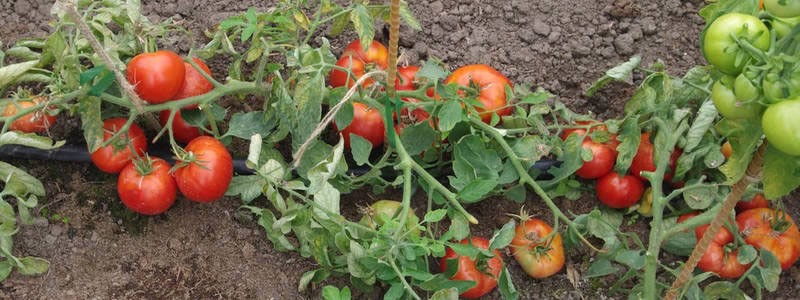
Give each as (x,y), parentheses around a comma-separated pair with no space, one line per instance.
(747,254)
(770,270)
(619,73)
(244,125)
(344,116)
(440,282)
(247,187)
(702,197)
(445,294)
(502,238)
(32,265)
(629,137)
(702,123)
(409,18)
(29,140)
(450,114)
(780,173)
(431,71)
(477,190)
(91,121)
(360,148)
(631,258)
(10,73)
(723,290)
(601,267)
(435,215)
(744,136)
(417,138)
(506,286)
(571,159)
(339,24)
(716,9)
(364,24)
(604,224)
(308,95)
(517,193)
(464,250)
(459,227)
(24,182)
(5,269)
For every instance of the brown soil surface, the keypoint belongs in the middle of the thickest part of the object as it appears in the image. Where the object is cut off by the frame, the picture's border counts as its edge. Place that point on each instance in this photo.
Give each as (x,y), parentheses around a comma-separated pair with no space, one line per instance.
(99,250)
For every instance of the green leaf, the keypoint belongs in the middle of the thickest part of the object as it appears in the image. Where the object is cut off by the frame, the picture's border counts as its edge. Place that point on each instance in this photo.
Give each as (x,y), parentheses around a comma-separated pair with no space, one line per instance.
(363,23)
(330,292)
(459,227)
(744,136)
(339,24)
(747,254)
(629,137)
(361,148)
(15,176)
(723,290)
(435,215)
(409,18)
(770,270)
(394,292)
(91,121)
(9,73)
(344,116)
(464,249)
(308,96)
(716,9)
(417,138)
(477,190)
(601,267)
(619,73)
(702,123)
(631,258)
(701,197)
(431,71)
(315,275)
(244,125)
(780,173)
(503,237)
(450,114)
(32,266)
(445,294)
(249,187)
(506,285)
(571,161)
(441,282)
(29,139)
(604,223)
(5,269)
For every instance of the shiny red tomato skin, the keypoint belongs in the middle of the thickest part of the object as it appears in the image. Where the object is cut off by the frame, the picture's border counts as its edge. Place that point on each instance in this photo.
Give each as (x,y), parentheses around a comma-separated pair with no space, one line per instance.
(758,201)
(643,161)
(485,280)
(356,66)
(617,191)
(194,84)
(181,130)
(406,77)
(367,123)
(602,162)
(531,234)
(34,122)
(111,160)
(207,178)
(157,77)
(756,227)
(492,88)
(715,259)
(149,194)
(376,53)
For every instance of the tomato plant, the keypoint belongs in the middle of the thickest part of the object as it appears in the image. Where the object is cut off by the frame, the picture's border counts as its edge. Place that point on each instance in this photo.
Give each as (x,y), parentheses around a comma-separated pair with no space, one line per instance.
(37,121)
(376,53)
(357,69)
(603,158)
(782,127)
(146,186)
(720,48)
(483,271)
(491,86)
(182,130)
(617,191)
(537,248)
(204,173)
(158,76)
(772,230)
(367,123)
(115,156)
(719,257)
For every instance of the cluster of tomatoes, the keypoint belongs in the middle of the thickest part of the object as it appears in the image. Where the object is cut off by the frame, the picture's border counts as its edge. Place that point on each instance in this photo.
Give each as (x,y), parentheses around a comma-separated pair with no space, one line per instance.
(759,77)
(759,226)
(367,122)
(149,185)
(613,189)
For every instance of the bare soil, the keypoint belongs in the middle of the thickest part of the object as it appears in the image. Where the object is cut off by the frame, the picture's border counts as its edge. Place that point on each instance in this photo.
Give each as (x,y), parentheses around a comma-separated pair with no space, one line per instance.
(97,249)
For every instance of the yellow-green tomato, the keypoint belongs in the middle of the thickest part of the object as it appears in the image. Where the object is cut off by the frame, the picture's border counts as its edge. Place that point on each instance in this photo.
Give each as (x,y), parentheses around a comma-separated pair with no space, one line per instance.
(727,103)
(382,210)
(781,125)
(783,8)
(783,26)
(720,48)
(646,204)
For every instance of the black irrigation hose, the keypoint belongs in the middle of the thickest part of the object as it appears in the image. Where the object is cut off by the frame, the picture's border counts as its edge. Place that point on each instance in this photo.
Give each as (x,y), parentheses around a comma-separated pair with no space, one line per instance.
(79,153)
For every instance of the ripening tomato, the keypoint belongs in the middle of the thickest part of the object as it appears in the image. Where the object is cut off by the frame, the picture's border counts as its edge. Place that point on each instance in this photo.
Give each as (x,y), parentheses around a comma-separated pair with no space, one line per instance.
(643,161)
(158,76)
(376,53)
(112,158)
(357,69)
(718,258)
(782,126)
(758,201)
(147,187)
(367,123)
(602,162)
(37,121)
(537,249)
(194,84)
(772,230)
(483,273)
(617,191)
(377,213)
(181,130)
(721,49)
(206,172)
(491,86)
(783,26)
(727,149)
(580,131)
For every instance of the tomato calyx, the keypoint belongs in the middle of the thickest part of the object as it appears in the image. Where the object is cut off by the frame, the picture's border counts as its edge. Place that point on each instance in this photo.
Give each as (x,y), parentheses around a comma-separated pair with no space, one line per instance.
(143,165)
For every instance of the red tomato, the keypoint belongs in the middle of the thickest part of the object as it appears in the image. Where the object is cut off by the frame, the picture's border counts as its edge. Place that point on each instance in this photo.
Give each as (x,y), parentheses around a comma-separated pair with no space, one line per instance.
(367,123)
(194,84)
(376,53)
(538,253)
(602,162)
(758,201)
(181,130)
(717,259)
(580,131)
(205,175)
(613,142)
(491,86)
(158,76)
(617,191)
(149,192)
(356,66)
(772,230)
(484,274)
(406,77)
(643,161)
(112,158)
(37,121)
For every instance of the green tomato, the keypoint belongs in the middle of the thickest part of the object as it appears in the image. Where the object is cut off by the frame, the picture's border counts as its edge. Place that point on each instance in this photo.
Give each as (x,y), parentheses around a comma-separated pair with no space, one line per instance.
(782,126)
(728,105)
(783,26)
(783,8)
(382,210)
(777,88)
(744,89)
(722,51)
